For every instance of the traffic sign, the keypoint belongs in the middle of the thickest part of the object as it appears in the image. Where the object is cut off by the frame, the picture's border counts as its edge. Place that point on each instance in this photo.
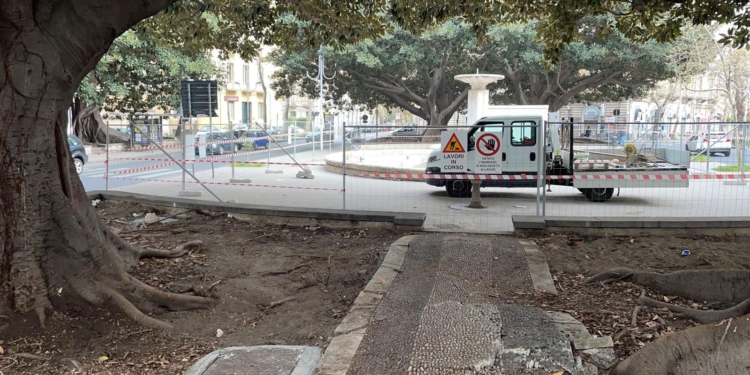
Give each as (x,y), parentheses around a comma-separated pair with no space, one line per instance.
(487,159)
(454,153)
(488,144)
(453,145)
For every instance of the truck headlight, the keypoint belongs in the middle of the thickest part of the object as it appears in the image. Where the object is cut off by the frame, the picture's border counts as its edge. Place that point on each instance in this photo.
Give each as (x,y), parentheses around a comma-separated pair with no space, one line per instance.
(432,159)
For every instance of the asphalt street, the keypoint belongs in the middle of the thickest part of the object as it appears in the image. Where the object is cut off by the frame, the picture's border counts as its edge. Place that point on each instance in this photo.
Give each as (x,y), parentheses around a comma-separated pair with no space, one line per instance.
(128,168)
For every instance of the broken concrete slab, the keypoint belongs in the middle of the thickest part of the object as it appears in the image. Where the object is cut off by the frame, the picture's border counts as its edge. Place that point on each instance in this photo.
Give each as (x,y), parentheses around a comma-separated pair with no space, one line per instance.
(593,343)
(603,358)
(569,326)
(258,360)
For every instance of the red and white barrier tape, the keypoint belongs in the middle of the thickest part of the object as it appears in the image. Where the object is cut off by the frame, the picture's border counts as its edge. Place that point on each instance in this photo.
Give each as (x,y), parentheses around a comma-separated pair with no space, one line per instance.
(135,170)
(618,177)
(228,184)
(216,161)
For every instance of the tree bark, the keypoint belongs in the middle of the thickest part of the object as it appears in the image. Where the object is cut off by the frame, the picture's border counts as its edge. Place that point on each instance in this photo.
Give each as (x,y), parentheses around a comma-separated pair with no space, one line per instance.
(54,250)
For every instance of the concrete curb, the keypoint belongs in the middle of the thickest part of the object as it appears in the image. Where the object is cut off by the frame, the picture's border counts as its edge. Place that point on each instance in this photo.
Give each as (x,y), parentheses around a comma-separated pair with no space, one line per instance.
(538,268)
(631,225)
(349,334)
(407,221)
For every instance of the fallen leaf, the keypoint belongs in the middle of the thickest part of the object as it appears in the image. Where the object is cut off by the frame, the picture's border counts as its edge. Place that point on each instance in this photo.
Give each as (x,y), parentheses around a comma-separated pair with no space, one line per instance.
(2,351)
(103,358)
(666,299)
(381,281)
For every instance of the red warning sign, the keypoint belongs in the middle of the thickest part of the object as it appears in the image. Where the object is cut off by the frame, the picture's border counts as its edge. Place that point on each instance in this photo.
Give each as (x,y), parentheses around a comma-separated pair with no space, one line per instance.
(488,144)
(453,145)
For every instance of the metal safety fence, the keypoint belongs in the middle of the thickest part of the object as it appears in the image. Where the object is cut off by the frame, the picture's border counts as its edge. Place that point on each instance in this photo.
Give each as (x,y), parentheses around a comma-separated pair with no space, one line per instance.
(559,169)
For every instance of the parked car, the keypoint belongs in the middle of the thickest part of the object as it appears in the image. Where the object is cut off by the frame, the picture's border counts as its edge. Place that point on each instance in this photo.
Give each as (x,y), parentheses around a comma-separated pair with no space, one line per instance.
(219,143)
(719,142)
(208,129)
(77,152)
(260,139)
(240,127)
(408,132)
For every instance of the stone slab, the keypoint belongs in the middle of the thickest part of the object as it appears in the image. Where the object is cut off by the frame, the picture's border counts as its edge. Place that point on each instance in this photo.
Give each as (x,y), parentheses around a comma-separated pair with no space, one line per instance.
(339,354)
(539,270)
(258,360)
(357,318)
(593,343)
(395,257)
(381,280)
(410,219)
(528,222)
(569,326)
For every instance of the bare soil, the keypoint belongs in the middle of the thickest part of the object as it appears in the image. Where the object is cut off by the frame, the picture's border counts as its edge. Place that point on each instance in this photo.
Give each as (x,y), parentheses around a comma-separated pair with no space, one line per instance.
(315,272)
(608,309)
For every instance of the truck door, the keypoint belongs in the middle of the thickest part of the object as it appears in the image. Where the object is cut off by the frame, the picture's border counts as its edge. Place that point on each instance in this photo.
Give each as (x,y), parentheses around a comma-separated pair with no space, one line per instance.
(520,146)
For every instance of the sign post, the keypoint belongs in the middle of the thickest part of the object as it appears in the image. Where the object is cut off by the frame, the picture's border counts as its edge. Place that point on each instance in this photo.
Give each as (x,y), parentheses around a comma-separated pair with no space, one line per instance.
(487,158)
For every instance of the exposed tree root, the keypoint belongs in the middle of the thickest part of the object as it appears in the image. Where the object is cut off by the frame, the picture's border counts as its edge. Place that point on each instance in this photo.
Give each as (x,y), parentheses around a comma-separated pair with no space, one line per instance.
(700,316)
(728,286)
(718,349)
(175,253)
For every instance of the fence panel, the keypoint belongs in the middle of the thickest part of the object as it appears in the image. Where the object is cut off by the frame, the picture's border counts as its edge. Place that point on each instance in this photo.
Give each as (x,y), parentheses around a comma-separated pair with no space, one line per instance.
(652,171)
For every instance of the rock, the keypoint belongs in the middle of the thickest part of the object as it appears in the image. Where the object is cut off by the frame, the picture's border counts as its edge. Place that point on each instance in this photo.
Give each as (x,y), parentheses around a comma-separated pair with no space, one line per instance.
(603,358)
(219,332)
(276,342)
(150,218)
(585,368)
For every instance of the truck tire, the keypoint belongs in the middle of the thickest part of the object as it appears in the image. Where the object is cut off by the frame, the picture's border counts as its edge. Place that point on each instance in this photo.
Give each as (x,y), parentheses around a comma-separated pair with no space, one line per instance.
(599,194)
(458,188)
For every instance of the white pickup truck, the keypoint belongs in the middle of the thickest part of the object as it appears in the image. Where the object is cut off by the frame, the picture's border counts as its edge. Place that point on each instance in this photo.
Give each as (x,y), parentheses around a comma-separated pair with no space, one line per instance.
(524,141)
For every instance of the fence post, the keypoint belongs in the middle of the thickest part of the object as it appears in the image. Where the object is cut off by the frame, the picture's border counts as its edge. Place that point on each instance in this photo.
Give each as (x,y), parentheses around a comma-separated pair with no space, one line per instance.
(184,156)
(106,161)
(343,172)
(743,143)
(708,146)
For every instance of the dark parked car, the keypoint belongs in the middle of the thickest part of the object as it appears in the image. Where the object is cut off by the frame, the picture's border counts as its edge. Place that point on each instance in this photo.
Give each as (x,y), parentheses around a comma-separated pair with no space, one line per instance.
(218,143)
(77,152)
(260,139)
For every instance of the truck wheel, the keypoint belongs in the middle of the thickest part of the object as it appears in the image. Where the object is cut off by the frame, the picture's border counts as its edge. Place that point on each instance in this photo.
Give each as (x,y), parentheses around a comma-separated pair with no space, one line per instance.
(728,153)
(458,189)
(599,194)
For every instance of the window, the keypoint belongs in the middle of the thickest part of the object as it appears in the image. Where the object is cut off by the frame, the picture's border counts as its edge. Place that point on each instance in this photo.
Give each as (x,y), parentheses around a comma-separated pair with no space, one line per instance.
(246,75)
(261,111)
(523,133)
(230,73)
(73,142)
(230,111)
(247,112)
(292,114)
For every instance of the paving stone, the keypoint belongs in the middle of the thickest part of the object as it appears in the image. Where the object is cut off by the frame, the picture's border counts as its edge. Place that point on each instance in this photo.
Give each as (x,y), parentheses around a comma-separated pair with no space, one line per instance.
(593,343)
(339,353)
(569,326)
(381,280)
(357,318)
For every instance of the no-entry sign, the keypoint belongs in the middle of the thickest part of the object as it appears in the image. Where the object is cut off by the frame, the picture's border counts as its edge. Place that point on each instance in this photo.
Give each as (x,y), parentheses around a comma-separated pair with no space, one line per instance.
(487,157)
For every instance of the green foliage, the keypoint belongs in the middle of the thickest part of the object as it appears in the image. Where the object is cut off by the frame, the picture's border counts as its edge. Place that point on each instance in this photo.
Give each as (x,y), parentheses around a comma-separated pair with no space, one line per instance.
(244,25)
(409,71)
(593,68)
(137,75)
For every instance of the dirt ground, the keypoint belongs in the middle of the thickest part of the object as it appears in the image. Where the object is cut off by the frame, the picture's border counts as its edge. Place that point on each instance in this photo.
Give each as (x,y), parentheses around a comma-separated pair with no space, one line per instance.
(608,309)
(317,272)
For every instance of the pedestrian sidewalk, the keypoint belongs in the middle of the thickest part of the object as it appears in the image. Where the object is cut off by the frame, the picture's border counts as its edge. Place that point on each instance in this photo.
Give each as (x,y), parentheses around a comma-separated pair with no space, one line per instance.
(434,308)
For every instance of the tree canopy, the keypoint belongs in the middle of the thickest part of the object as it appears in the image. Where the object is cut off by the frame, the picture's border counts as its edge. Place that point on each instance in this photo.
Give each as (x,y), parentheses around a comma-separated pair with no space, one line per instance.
(136,75)
(406,70)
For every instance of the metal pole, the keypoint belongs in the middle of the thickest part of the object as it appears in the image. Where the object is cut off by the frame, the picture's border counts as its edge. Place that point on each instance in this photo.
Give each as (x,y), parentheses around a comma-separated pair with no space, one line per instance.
(184,156)
(234,144)
(708,145)
(540,158)
(268,143)
(106,162)
(742,146)
(343,173)
(211,128)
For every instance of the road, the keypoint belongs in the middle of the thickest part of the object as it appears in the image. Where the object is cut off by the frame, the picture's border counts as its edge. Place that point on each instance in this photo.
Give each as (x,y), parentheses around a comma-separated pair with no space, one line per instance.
(128,168)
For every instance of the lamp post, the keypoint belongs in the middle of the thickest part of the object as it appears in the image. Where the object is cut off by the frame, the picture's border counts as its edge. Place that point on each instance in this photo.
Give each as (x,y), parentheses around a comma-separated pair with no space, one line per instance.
(320,77)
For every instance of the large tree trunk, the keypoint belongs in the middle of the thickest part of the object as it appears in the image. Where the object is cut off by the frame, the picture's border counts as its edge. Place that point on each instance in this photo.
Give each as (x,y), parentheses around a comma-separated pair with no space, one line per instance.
(54,249)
